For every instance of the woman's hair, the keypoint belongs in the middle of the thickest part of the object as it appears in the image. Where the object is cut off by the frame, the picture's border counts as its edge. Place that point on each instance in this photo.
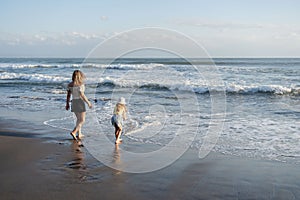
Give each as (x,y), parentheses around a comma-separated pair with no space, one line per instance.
(78,77)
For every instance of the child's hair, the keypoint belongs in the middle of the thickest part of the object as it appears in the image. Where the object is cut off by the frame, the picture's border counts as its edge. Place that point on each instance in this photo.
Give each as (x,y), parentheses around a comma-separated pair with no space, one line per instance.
(119,107)
(78,77)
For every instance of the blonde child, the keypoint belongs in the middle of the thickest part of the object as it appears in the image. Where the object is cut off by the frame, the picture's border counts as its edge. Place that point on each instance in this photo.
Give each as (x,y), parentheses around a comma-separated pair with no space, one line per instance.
(119,115)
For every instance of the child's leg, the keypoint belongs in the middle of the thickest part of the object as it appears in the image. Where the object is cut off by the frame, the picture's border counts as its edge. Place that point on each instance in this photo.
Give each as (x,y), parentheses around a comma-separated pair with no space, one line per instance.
(118,140)
(118,131)
(119,134)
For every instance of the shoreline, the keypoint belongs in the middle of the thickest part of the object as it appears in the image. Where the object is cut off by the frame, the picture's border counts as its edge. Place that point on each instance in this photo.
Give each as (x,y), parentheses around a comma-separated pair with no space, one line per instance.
(36,168)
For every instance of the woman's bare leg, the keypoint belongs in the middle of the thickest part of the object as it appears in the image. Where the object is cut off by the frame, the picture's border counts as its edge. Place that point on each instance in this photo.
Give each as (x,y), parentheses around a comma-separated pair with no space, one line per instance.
(79,122)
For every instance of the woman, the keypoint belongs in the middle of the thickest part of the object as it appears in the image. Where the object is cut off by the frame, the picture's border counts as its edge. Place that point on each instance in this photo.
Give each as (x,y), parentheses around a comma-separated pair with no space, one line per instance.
(76,88)
(119,115)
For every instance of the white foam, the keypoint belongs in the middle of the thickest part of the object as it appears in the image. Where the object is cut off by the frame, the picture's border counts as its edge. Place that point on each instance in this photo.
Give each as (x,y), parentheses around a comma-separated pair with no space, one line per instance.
(142,127)
(276,89)
(260,138)
(201,87)
(64,123)
(33,77)
(82,65)
(134,66)
(56,91)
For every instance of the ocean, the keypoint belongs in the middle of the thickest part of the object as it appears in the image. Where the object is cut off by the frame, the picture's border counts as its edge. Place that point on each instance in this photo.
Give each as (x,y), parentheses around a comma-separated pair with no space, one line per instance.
(261,95)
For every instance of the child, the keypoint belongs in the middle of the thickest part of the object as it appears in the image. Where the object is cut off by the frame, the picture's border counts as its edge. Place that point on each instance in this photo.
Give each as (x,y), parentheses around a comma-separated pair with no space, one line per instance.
(119,115)
(76,88)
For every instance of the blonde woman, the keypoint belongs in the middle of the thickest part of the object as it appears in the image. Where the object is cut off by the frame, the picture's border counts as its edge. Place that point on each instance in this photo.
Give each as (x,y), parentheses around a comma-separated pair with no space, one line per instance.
(76,88)
(119,115)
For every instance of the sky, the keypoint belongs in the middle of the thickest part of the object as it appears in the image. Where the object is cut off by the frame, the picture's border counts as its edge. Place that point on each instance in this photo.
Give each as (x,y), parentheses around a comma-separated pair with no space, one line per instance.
(224,28)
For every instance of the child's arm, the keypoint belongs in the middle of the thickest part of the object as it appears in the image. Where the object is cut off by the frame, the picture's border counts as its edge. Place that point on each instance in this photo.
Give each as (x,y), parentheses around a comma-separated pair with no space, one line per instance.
(124,113)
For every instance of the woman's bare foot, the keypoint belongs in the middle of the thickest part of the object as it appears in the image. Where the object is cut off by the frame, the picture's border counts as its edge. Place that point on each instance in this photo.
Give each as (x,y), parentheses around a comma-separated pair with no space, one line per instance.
(80,136)
(73,135)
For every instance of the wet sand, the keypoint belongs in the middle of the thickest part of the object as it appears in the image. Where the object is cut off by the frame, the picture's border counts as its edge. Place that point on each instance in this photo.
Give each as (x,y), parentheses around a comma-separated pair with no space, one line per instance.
(35,168)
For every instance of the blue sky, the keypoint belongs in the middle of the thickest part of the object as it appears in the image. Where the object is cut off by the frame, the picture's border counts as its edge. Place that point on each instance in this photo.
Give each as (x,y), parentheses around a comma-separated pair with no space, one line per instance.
(225,28)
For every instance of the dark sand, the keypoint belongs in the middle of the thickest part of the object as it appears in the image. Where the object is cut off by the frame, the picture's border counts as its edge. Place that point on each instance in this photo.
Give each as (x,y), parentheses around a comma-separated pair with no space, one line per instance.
(33,168)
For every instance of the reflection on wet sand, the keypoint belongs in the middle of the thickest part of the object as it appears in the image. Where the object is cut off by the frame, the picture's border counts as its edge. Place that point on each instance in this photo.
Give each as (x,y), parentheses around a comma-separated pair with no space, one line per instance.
(116,155)
(117,158)
(78,157)
(77,163)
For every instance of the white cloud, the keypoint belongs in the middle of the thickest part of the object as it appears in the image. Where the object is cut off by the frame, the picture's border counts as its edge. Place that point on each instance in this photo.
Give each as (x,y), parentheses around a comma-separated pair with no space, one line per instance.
(84,35)
(219,38)
(214,27)
(234,38)
(103,18)
(40,37)
(224,38)
(53,44)
(213,24)
(66,38)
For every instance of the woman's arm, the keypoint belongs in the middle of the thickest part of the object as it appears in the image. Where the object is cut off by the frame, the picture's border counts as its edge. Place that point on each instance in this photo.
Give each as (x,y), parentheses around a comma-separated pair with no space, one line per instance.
(68,100)
(83,97)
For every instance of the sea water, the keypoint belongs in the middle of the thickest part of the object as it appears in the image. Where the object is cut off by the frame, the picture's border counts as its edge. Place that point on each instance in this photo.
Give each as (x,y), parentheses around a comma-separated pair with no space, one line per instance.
(262,96)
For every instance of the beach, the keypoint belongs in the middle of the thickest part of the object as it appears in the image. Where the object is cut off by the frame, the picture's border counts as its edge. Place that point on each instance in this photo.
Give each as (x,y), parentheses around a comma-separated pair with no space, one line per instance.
(210,90)
(34,168)
(249,126)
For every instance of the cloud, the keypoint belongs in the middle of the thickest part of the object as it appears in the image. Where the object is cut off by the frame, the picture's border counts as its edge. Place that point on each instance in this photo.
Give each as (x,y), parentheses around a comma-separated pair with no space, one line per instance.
(216,24)
(242,31)
(221,38)
(235,27)
(103,18)
(53,44)
(64,38)
(230,38)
